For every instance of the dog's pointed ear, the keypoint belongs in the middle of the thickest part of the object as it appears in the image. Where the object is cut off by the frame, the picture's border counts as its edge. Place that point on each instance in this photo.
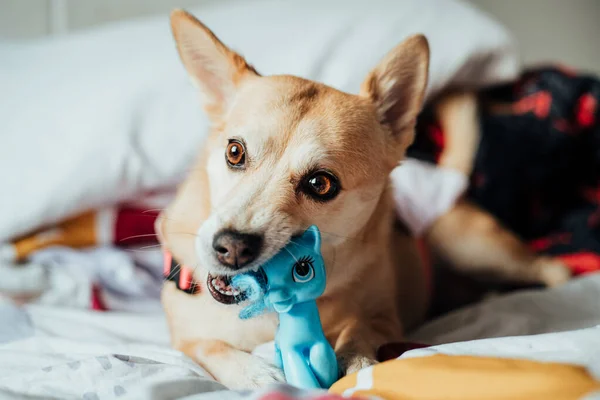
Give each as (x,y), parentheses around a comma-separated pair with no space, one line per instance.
(397,86)
(213,67)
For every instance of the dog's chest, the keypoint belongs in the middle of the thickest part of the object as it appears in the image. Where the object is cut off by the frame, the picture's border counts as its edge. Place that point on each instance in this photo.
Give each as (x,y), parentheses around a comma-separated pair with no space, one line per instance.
(200,316)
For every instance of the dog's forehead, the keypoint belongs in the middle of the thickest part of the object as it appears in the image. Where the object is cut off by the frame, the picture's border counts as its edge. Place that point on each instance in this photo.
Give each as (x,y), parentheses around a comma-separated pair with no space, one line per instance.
(305,150)
(279,103)
(306,121)
(295,126)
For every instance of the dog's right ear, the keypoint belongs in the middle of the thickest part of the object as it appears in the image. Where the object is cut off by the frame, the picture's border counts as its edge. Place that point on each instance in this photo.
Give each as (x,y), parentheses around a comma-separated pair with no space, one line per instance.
(213,67)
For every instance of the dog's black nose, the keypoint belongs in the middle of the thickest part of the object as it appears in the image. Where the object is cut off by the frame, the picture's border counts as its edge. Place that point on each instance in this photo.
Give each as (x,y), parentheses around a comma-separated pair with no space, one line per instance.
(236,250)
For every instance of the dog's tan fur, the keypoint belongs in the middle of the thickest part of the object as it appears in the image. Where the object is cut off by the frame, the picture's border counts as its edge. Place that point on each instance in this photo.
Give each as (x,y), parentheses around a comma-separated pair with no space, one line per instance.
(376,286)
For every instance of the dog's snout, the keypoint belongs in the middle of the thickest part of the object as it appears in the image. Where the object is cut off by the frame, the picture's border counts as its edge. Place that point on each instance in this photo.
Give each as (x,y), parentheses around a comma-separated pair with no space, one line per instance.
(236,250)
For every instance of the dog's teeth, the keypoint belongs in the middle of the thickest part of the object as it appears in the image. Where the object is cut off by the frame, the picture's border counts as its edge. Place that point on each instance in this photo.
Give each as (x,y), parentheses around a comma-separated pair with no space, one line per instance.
(224,289)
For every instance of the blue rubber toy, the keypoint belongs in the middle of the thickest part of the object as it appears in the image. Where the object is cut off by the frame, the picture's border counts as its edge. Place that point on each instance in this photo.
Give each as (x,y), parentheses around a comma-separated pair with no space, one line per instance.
(289,283)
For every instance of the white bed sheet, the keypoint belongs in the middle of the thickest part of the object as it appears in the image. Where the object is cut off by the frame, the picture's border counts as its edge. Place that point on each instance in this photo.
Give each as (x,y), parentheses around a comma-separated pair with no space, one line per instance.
(50,352)
(120,90)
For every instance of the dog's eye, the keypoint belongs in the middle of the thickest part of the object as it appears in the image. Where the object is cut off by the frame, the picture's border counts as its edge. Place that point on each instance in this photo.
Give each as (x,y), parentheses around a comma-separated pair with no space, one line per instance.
(321,185)
(235,154)
(303,271)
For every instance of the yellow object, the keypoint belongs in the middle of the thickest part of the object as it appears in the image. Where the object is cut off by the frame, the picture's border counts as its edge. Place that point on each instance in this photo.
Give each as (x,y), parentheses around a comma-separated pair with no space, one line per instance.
(448,377)
(79,231)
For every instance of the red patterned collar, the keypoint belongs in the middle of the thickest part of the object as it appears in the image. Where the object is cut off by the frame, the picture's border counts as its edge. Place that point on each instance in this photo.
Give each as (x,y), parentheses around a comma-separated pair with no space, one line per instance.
(180,274)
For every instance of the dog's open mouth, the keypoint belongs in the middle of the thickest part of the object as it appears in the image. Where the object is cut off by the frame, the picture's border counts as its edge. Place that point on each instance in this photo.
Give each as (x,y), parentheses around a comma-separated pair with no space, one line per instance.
(221,290)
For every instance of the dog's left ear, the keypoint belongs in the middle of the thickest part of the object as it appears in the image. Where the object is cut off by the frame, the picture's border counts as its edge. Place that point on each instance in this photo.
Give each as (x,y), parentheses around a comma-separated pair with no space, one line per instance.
(216,69)
(397,86)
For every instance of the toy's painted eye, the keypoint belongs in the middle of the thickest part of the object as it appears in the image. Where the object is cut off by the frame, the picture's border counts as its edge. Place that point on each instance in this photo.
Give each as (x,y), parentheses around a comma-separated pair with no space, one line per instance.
(303,270)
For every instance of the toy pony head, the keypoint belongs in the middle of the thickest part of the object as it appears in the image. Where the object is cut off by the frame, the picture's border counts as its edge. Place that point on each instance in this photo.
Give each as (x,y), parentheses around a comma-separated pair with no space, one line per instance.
(294,275)
(297,273)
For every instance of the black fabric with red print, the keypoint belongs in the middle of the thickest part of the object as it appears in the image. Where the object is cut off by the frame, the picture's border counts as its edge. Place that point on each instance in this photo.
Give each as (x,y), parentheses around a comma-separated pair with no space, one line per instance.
(537,168)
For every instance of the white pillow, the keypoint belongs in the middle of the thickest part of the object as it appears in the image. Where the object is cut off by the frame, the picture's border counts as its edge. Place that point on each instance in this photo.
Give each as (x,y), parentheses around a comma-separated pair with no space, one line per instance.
(108,114)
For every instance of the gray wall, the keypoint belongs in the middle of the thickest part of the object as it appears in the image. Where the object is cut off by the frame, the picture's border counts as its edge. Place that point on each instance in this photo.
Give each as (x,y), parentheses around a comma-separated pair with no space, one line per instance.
(567,31)
(31,18)
(552,30)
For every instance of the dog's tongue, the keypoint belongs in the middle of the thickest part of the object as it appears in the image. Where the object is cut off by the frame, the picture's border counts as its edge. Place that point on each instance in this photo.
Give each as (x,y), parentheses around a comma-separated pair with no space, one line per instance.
(219,286)
(233,290)
(221,282)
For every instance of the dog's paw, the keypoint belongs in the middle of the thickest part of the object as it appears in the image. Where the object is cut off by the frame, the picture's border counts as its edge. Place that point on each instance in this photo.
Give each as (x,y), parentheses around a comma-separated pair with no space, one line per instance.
(255,373)
(350,363)
(552,272)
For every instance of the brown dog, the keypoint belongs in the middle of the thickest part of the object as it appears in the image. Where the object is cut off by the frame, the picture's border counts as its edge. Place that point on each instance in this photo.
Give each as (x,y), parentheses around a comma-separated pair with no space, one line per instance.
(285,153)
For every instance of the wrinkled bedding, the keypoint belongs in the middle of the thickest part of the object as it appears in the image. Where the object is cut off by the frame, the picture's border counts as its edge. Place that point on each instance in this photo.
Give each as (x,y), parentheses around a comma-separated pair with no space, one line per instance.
(56,352)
